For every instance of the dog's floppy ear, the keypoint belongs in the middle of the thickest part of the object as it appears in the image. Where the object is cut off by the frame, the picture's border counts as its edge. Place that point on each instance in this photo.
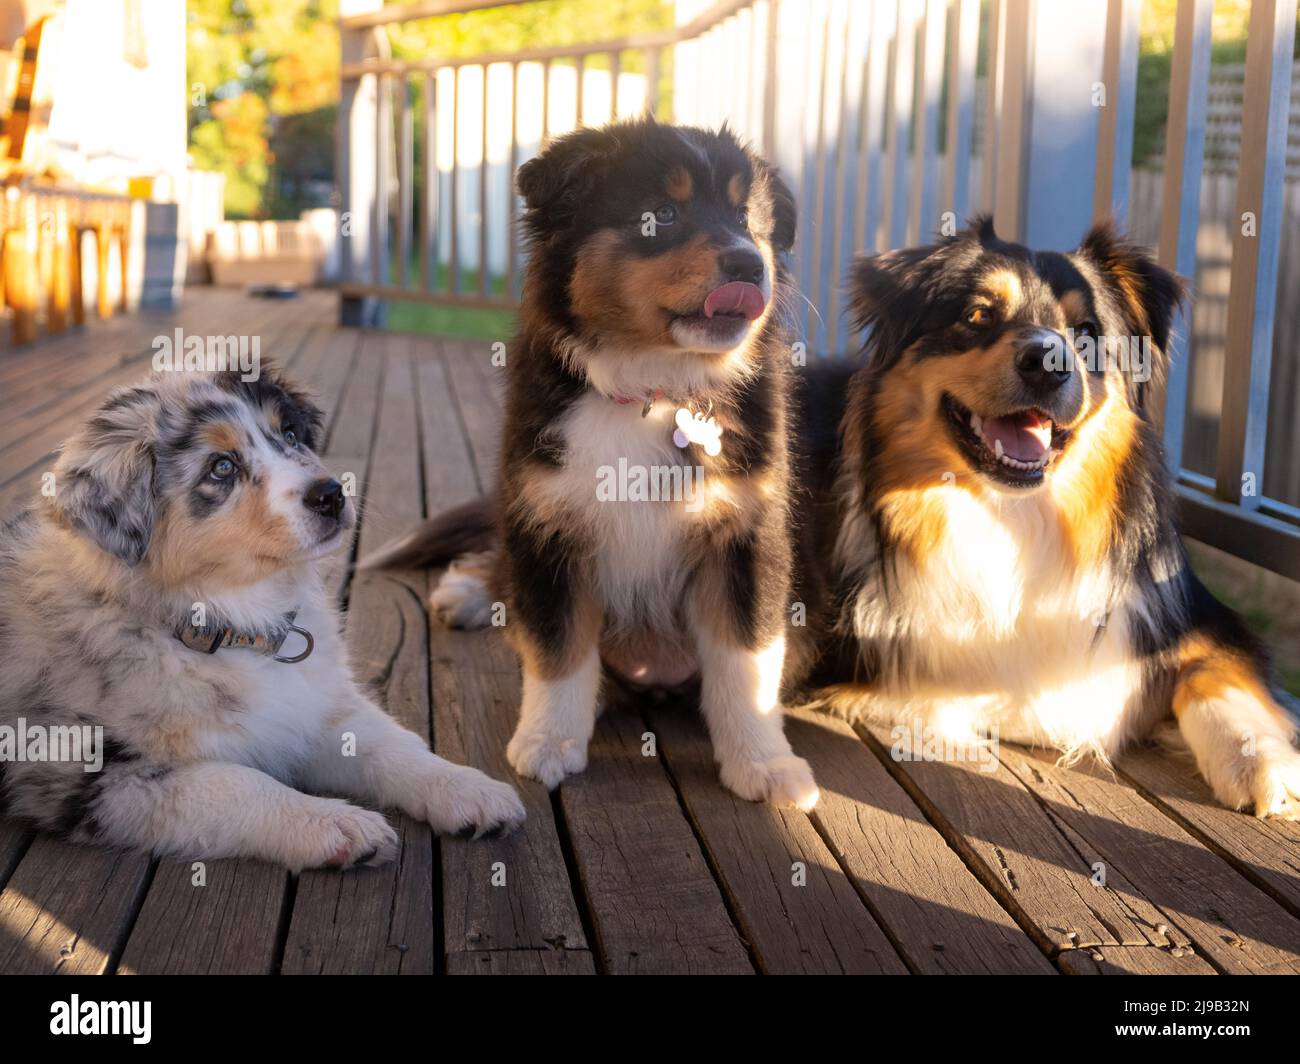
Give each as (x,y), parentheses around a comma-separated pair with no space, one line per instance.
(555,184)
(785,214)
(888,296)
(1149,294)
(104,478)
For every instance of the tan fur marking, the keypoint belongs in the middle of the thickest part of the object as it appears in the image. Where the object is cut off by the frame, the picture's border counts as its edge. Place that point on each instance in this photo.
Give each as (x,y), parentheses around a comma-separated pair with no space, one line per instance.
(1005,285)
(240,544)
(223,437)
(1074,305)
(583,632)
(633,300)
(1085,481)
(680,186)
(736,190)
(1208,670)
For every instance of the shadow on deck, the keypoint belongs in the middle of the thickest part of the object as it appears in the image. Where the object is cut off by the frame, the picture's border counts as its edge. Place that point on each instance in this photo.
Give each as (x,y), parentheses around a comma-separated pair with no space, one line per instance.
(643,863)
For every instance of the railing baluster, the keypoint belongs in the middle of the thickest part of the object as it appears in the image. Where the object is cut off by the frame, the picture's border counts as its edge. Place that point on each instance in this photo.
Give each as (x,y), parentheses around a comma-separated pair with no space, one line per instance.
(902,67)
(379,224)
(1180,202)
(842,219)
(995,66)
(963,49)
(484,284)
(922,223)
(814,247)
(653,59)
(1252,297)
(1115,123)
(405,175)
(428,254)
(453,263)
(615,68)
(512,164)
(875,90)
(1013,125)
(579,70)
(770,79)
(546,103)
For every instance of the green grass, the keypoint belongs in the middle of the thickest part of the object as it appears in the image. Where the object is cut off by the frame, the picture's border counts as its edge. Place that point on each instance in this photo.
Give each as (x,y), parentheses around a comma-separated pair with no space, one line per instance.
(469,323)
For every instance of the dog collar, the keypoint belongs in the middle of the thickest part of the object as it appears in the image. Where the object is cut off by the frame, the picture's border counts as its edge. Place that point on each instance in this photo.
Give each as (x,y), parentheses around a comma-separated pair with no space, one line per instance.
(691,426)
(646,401)
(209,638)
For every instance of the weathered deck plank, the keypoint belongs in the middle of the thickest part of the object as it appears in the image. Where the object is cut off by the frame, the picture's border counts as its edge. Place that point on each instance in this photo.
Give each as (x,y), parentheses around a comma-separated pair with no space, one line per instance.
(1036,869)
(1234,925)
(66,909)
(653,902)
(227,923)
(938,916)
(512,894)
(797,909)
(336,925)
(1267,852)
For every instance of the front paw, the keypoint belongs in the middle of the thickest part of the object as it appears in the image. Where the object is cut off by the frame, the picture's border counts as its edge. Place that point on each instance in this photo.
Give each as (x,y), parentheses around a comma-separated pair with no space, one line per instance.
(470,804)
(785,781)
(1275,784)
(547,758)
(334,834)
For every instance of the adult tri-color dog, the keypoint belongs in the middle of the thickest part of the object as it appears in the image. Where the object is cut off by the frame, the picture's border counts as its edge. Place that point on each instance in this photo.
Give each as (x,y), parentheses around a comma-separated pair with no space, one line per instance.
(1005,553)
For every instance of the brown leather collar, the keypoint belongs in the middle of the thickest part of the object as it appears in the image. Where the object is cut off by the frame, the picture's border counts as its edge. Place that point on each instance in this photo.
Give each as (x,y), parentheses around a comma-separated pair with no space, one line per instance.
(209,638)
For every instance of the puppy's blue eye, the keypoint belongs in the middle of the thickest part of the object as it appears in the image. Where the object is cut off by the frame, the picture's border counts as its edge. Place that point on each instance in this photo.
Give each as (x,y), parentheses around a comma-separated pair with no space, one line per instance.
(222,469)
(290,437)
(666,215)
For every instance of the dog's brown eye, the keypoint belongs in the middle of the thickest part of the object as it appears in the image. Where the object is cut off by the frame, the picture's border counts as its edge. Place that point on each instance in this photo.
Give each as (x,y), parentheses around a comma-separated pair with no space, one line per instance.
(666,215)
(1087,328)
(742,216)
(222,469)
(979,315)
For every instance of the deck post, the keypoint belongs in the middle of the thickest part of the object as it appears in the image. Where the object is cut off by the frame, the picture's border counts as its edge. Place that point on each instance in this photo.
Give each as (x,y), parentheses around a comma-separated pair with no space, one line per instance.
(1256,242)
(358,181)
(1052,97)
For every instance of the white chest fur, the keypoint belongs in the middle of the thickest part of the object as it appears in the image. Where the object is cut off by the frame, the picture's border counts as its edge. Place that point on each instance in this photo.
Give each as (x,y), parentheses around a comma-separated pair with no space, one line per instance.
(996,628)
(634,492)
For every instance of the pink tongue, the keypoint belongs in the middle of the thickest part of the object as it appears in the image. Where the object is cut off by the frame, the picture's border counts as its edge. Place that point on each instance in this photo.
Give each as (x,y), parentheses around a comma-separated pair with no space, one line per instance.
(736,297)
(1025,437)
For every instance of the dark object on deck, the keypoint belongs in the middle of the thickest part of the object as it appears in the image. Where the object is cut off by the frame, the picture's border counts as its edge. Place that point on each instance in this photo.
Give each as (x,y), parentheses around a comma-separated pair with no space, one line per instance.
(282,290)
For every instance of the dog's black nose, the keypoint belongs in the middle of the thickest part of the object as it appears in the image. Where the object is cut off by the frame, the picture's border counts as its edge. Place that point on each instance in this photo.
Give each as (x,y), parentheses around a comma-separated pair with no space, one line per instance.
(324,497)
(742,264)
(1044,363)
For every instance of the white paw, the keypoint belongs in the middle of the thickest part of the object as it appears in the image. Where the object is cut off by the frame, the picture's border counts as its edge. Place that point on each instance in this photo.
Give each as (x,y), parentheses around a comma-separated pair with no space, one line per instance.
(1275,784)
(784,781)
(470,804)
(544,757)
(461,599)
(334,834)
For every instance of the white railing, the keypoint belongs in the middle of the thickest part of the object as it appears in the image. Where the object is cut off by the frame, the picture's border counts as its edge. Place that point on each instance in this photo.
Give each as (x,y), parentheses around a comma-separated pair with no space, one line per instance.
(868,107)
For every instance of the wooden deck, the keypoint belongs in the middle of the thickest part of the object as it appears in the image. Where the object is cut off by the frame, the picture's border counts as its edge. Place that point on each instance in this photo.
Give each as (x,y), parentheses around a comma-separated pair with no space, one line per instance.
(641,864)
